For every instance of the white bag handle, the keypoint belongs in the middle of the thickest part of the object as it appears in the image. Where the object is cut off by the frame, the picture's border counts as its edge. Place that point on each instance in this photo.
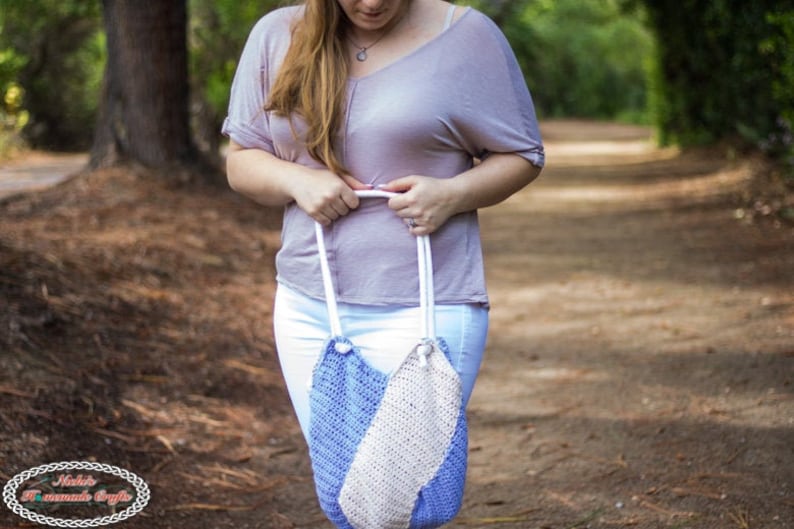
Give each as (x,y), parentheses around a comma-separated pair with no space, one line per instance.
(425,269)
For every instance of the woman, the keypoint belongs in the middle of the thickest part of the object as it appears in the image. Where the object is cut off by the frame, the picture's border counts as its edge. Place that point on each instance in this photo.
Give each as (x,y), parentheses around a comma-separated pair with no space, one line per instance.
(335,96)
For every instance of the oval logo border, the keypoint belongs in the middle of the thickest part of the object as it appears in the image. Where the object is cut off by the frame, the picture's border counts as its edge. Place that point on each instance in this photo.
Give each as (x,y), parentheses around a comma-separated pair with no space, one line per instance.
(142,494)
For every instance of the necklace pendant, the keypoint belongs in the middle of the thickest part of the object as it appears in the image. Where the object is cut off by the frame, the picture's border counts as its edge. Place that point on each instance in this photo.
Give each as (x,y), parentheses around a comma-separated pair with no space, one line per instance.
(361,56)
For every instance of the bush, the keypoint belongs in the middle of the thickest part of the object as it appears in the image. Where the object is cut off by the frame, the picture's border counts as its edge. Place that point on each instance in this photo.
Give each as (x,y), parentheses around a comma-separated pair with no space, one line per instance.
(779,47)
(586,59)
(60,52)
(725,71)
(13,119)
(217,33)
(13,116)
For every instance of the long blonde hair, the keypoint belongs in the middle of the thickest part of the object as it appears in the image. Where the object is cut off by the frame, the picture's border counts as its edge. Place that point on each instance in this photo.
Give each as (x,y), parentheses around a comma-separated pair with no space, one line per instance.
(312,81)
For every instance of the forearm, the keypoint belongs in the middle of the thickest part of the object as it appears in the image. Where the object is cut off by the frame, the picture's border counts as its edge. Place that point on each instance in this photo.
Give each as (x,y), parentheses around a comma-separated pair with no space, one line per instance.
(270,181)
(490,182)
(428,202)
(261,176)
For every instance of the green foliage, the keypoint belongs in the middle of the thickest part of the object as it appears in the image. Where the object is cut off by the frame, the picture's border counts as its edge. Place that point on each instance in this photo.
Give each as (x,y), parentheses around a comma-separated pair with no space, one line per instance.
(718,69)
(11,63)
(217,33)
(54,50)
(582,58)
(56,58)
(13,116)
(12,119)
(725,70)
(779,48)
(588,59)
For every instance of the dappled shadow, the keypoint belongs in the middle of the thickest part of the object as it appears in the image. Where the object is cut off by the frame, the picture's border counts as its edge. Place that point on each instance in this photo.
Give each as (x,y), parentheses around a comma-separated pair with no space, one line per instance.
(620,428)
(667,220)
(139,335)
(638,371)
(626,471)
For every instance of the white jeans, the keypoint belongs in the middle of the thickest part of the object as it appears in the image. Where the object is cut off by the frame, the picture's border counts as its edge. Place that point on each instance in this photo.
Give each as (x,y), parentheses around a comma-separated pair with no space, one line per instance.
(384,336)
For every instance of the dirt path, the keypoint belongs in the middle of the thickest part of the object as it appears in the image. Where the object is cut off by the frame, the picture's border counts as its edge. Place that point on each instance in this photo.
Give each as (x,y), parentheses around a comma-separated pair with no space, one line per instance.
(641,360)
(37,171)
(639,374)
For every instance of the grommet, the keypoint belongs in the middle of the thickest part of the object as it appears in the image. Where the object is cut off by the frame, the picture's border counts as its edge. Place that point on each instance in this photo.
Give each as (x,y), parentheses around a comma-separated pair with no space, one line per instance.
(343,347)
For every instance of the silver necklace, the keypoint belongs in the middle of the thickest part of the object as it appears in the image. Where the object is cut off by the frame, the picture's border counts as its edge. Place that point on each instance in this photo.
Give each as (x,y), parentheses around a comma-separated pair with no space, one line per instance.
(361,56)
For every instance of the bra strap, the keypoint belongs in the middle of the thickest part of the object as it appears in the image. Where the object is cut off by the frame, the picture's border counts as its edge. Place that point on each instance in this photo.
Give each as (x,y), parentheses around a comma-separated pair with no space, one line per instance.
(450,14)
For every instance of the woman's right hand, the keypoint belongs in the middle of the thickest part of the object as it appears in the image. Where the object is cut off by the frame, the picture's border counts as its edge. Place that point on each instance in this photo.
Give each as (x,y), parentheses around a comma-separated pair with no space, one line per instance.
(326,196)
(322,194)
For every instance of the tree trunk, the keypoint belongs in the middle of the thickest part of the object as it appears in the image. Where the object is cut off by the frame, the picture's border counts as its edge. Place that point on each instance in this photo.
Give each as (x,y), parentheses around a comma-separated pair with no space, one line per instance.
(143,114)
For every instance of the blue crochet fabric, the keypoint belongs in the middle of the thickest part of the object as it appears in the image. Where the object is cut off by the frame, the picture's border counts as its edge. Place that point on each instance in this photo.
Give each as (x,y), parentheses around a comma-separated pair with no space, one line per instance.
(346,394)
(340,427)
(441,499)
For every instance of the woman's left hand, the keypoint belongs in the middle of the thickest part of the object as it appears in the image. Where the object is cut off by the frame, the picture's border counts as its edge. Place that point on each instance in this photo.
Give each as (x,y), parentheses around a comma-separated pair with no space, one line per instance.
(425,203)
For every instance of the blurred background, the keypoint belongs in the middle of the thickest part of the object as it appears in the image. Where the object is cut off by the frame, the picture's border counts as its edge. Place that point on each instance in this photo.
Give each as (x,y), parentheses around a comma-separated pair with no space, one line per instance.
(641,361)
(698,71)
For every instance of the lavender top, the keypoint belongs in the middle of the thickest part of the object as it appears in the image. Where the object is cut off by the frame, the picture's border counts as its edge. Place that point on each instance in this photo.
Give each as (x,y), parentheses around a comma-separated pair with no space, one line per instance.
(457,97)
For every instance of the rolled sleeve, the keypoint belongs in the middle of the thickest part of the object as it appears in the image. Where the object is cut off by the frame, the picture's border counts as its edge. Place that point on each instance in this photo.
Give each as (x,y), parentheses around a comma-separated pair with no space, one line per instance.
(497,114)
(247,123)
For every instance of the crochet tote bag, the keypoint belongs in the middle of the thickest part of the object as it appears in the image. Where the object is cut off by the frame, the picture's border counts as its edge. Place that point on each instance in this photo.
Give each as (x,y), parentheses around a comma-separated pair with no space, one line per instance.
(388,451)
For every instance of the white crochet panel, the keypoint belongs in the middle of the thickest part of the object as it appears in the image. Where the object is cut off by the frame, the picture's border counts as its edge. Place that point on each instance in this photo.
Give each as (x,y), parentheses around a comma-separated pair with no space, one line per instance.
(380,488)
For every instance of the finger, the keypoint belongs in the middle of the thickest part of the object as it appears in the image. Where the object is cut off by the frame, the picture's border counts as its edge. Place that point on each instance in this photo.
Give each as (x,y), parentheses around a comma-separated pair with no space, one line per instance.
(338,208)
(350,198)
(322,219)
(347,199)
(354,183)
(420,230)
(399,185)
(410,217)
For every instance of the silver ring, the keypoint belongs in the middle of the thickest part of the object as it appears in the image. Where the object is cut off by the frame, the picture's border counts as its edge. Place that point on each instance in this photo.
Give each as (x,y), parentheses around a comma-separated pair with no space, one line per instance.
(411,222)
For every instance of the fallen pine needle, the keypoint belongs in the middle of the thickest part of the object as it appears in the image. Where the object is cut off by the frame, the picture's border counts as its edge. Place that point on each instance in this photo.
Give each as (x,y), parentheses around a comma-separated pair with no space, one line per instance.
(257,486)
(268,376)
(663,510)
(151,379)
(115,435)
(165,442)
(245,475)
(152,432)
(741,517)
(213,507)
(159,466)
(735,455)
(681,491)
(140,408)
(589,518)
(16,392)
(494,520)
